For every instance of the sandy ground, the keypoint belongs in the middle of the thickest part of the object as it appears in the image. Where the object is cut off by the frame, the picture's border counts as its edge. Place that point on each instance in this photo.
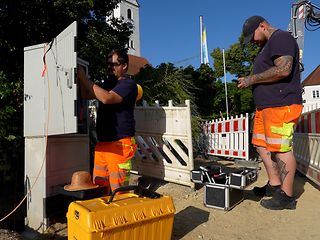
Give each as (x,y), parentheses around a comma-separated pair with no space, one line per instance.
(247,220)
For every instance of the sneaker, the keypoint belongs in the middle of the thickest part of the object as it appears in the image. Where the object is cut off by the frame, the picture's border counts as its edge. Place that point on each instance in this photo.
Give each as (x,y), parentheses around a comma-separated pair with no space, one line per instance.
(267,190)
(279,201)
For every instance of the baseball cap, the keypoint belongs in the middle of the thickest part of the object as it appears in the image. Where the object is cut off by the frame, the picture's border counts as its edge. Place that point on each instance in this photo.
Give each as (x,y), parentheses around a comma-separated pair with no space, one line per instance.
(249,26)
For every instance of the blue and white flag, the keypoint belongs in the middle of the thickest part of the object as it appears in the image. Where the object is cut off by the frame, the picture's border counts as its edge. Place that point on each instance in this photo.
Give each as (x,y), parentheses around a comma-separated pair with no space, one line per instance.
(205,56)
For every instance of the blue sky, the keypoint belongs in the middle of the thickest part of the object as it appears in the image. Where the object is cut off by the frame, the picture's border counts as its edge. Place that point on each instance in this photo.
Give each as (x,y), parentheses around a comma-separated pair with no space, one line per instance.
(170,29)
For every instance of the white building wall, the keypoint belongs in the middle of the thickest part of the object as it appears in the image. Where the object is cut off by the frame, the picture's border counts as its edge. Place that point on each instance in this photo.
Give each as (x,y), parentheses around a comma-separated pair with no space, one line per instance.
(311,94)
(122,11)
(311,98)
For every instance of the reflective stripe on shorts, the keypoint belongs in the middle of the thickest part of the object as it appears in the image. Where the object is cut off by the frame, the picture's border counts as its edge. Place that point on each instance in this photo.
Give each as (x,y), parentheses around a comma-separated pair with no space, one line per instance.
(273,127)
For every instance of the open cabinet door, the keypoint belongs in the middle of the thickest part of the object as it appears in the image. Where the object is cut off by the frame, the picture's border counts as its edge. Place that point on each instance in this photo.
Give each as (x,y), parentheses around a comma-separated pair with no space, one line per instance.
(50,90)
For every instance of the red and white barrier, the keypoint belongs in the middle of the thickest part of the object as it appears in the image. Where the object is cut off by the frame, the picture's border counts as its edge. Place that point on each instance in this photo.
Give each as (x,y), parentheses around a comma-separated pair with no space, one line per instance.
(309,122)
(306,145)
(229,137)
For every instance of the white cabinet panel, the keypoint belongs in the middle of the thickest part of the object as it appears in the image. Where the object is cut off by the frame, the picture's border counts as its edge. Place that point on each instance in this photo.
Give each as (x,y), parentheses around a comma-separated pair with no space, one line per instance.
(50,90)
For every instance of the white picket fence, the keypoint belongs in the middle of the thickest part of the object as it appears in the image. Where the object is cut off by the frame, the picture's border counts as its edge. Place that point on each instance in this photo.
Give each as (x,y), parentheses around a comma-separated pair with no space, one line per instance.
(164,138)
(228,137)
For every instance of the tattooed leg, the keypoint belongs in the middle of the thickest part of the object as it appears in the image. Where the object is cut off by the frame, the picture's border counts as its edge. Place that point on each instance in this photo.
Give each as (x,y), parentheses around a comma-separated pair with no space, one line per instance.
(287,168)
(271,167)
(283,172)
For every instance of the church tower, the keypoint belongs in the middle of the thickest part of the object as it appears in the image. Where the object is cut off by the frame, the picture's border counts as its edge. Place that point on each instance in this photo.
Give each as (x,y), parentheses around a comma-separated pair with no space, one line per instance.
(129,10)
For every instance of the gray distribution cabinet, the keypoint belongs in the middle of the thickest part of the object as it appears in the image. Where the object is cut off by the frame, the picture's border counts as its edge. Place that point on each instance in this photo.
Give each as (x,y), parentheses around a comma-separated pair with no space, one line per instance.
(55,122)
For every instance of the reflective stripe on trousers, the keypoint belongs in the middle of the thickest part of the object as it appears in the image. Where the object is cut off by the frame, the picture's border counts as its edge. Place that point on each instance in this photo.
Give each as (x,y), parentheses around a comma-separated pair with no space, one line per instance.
(112,162)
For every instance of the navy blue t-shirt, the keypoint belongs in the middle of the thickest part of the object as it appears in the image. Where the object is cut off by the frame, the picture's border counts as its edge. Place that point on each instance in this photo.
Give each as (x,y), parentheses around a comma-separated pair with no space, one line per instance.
(286,91)
(116,121)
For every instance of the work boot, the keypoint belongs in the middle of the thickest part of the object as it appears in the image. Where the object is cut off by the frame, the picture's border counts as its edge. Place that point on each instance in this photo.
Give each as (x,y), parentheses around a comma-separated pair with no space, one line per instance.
(279,201)
(267,190)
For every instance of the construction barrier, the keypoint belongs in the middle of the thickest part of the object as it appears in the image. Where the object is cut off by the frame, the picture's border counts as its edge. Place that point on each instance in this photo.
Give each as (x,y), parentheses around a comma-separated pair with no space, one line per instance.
(229,137)
(306,145)
(164,138)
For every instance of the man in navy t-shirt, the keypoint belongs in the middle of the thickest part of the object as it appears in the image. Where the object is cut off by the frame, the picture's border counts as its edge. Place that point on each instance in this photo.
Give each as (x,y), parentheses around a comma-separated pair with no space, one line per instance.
(276,87)
(115,122)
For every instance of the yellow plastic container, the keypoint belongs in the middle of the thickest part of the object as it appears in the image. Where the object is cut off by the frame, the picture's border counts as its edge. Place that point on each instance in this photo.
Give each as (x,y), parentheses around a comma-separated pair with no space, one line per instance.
(127,217)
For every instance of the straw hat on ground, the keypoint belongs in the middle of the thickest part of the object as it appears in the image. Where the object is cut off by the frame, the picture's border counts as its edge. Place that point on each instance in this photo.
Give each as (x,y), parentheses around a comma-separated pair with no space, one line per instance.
(80,180)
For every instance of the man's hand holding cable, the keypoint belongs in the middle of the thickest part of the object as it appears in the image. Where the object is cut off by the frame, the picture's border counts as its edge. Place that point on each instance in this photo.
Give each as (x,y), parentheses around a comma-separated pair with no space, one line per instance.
(245,82)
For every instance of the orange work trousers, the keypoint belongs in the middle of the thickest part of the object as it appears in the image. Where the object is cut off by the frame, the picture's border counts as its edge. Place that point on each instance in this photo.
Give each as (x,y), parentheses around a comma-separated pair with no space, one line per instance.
(112,162)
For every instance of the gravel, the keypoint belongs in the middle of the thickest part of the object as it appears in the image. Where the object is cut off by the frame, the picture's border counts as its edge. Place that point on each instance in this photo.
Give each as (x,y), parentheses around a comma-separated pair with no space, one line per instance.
(9,235)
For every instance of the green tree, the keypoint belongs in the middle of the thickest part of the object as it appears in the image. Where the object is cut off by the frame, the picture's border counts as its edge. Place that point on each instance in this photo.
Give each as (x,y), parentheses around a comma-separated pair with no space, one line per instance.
(204,79)
(238,62)
(240,100)
(219,100)
(164,83)
(238,59)
(26,23)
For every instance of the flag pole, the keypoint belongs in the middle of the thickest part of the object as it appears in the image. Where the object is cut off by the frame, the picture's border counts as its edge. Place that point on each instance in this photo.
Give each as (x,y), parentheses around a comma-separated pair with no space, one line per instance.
(201,47)
(225,82)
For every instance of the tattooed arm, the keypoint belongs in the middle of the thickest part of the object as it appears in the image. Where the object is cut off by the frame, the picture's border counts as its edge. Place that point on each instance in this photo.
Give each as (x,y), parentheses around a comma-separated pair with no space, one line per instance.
(282,69)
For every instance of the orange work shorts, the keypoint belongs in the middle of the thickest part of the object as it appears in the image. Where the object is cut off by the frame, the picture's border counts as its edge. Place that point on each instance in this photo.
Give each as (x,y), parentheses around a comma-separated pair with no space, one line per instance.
(273,127)
(112,162)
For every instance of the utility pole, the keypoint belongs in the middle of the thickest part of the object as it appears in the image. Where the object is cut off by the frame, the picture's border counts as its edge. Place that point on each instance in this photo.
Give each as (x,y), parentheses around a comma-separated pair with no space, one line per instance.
(225,82)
